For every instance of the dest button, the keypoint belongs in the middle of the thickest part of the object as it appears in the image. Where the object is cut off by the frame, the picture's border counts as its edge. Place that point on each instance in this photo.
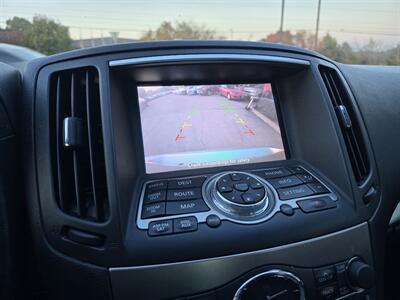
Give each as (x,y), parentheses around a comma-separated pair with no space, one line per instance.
(185,224)
(186,183)
(160,227)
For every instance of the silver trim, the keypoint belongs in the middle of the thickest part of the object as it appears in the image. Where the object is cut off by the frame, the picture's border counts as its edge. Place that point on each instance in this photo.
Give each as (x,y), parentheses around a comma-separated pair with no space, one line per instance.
(206,57)
(261,210)
(273,273)
(202,216)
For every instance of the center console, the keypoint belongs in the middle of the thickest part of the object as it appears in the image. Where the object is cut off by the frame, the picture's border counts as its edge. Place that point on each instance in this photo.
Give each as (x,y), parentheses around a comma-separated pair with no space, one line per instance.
(207,173)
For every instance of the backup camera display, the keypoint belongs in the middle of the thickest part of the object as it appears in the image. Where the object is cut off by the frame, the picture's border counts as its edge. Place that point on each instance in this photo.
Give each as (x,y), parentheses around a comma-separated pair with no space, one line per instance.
(190,127)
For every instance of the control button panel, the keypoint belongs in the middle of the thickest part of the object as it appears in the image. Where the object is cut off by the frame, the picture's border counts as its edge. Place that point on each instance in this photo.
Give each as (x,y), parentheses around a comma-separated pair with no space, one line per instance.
(243,197)
(334,281)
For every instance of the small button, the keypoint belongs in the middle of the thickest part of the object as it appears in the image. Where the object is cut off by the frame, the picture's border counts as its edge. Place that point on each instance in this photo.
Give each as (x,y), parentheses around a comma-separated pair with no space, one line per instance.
(213,221)
(296,169)
(241,187)
(184,207)
(344,289)
(178,195)
(253,196)
(273,173)
(306,178)
(325,275)
(224,185)
(154,196)
(285,182)
(252,182)
(294,192)
(236,176)
(234,196)
(328,292)
(316,204)
(318,188)
(287,210)
(153,210)
(186,183)
(224,188)
(156,185)
(185,224)
(160,227)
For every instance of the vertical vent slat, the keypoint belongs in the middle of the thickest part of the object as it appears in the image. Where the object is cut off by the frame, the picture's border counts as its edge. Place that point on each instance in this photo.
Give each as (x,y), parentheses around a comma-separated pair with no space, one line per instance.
(75,152)
(89,97)
(79,167)
(352,135)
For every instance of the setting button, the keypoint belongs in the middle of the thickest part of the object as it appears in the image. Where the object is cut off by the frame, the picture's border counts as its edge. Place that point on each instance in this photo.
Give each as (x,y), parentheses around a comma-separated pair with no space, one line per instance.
(160,227)
(185,207)
(185,224)
(178,195)
(285,182)
(294,192)
(154,196)
(153,210)
(186,183)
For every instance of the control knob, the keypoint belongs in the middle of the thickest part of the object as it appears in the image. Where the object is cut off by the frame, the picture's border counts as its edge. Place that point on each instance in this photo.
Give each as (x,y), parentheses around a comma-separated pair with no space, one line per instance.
(360,274)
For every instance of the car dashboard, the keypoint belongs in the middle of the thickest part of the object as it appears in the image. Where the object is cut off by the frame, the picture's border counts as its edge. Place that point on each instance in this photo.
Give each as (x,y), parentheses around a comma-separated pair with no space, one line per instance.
(151,171)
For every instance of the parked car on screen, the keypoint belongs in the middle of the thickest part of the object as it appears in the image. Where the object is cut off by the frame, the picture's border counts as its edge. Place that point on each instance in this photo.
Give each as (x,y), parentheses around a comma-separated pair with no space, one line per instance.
(179,91)
(208,90)
(232,92)
(267,90)
(191,90)
(253,90)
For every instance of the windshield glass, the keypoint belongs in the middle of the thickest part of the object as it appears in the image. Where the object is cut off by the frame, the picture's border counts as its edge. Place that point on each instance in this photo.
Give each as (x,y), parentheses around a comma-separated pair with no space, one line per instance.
(348,31)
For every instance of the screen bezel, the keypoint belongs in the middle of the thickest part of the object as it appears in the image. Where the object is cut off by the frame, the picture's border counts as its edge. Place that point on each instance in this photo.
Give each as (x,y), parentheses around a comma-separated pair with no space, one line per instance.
(275,96)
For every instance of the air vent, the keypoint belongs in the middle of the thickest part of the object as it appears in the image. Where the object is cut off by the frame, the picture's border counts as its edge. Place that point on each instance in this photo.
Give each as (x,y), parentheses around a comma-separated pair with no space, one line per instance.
(77,144)
(349,124)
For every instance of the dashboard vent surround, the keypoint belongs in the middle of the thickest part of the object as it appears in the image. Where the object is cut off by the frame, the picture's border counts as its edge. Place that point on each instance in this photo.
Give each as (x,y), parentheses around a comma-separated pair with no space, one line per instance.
(348,121)
(77,144)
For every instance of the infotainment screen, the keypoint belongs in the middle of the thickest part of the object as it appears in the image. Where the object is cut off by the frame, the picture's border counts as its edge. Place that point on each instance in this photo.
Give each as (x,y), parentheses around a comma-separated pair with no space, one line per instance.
(201,126)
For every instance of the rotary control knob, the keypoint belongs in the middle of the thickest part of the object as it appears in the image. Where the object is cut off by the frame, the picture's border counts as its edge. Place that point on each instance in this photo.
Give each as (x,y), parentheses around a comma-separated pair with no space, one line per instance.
(240,195)
(360,274)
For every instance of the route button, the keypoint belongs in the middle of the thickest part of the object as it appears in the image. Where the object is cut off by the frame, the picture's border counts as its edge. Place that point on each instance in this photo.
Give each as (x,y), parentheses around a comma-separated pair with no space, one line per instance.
(186,194)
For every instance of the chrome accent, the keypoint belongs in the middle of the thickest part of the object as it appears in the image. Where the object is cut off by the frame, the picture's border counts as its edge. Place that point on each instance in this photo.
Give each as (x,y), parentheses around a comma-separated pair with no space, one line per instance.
(206,57)
(239,212)
(273,273)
